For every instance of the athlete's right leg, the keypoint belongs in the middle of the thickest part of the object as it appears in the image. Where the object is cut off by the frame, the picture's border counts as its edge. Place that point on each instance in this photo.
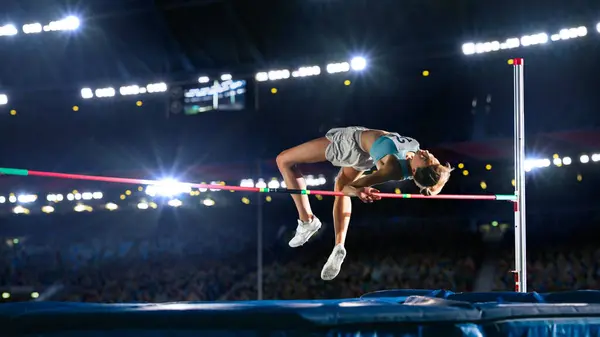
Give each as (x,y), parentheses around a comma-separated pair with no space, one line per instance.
(310,152)
(287,161)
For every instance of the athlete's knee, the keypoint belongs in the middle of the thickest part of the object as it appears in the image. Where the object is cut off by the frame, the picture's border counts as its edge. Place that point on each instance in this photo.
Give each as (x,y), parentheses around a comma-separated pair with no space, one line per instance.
(285,160)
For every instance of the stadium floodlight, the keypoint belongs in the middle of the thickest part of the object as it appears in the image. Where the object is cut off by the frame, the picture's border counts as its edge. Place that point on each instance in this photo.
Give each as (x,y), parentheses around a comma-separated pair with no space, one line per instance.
(596,157)
(531,164)
(208,202)
(306,71)
(26,198)
(8,30)
(358,63)
(584,159)
(226,77)
(167,187)
(247,183)
(69,23)
(557,161)
(468,48)
(175,203)
(203,79)
(261,183)
(47,209)
(282,74)
(111,206)
(334,68)
(32,28)
(3,99)
(262,76)
(87,93)
(20,210)
(535,39)
(598,27)
(274,183)
(105,92)
(130,90)
(156,87)
(567,161)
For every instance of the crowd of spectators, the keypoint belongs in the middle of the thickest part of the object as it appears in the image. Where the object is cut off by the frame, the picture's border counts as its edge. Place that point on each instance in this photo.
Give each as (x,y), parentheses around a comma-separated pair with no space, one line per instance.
(557,267)
(211,262)
(203,260)
(371,264)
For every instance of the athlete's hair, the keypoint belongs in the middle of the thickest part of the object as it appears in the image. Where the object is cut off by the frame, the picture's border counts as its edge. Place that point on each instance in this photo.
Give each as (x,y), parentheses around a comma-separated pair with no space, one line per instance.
(431,179)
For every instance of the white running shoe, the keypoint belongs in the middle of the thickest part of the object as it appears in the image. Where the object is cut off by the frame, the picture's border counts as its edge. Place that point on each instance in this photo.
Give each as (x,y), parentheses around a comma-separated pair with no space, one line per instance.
(334,263)
(304,231)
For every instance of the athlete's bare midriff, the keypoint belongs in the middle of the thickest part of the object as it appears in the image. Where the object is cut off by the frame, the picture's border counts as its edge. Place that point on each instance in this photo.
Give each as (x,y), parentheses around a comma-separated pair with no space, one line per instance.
(369,137)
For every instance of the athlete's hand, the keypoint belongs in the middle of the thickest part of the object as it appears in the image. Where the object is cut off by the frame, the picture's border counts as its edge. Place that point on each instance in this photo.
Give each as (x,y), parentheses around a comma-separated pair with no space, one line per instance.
(365,194)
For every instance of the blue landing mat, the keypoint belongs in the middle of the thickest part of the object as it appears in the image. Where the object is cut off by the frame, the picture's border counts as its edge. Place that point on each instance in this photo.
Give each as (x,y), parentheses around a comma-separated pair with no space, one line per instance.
(385,313)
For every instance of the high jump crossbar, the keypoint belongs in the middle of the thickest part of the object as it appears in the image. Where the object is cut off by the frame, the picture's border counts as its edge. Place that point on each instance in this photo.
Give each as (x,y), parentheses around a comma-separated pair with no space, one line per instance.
(24,172)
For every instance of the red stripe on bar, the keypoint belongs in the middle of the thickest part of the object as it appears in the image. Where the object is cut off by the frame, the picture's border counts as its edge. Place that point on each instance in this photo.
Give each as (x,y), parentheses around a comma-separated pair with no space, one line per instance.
(518,61)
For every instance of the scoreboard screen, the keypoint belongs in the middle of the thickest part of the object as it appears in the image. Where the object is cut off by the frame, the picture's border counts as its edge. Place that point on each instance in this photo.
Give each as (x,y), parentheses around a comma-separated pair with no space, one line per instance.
(221,95)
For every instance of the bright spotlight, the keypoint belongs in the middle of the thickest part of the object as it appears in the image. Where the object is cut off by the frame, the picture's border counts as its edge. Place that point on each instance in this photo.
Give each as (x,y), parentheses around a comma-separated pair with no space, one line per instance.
(358,63)
(468,48)
(567,160)
(584,159)
(261,183)
(274,183)
(111,206)
(87,93)
(598,27)
(557,161)
(168,188)
(174,203)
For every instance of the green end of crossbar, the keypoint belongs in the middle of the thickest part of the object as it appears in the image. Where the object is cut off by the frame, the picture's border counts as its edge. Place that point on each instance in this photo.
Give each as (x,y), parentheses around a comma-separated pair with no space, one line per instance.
(305,192)
(509,197)
(13,171)
(263,190)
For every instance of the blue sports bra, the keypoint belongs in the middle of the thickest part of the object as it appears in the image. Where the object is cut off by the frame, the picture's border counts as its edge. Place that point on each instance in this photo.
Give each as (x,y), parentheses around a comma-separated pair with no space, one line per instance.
(397,146)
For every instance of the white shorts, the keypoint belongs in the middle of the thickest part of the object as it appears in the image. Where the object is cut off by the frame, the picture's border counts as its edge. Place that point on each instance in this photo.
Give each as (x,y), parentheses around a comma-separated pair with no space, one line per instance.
(344,149)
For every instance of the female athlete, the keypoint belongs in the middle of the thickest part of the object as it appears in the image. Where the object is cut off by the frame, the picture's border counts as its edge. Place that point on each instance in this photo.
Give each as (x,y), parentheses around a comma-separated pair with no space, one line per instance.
(356,150)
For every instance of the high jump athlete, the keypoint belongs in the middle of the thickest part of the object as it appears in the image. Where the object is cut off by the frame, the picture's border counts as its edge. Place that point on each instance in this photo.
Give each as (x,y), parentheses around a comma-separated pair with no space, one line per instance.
(356,150)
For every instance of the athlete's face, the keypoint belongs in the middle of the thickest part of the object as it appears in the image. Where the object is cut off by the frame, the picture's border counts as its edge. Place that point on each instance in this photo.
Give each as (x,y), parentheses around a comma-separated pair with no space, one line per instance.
(423,158)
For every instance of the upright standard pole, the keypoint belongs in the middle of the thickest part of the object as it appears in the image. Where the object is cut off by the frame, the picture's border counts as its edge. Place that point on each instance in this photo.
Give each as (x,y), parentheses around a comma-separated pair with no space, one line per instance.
(519,204)
(259,241)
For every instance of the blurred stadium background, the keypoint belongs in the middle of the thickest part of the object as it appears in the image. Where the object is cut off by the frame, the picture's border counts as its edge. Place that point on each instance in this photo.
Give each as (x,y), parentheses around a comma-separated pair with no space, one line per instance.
(210,91)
